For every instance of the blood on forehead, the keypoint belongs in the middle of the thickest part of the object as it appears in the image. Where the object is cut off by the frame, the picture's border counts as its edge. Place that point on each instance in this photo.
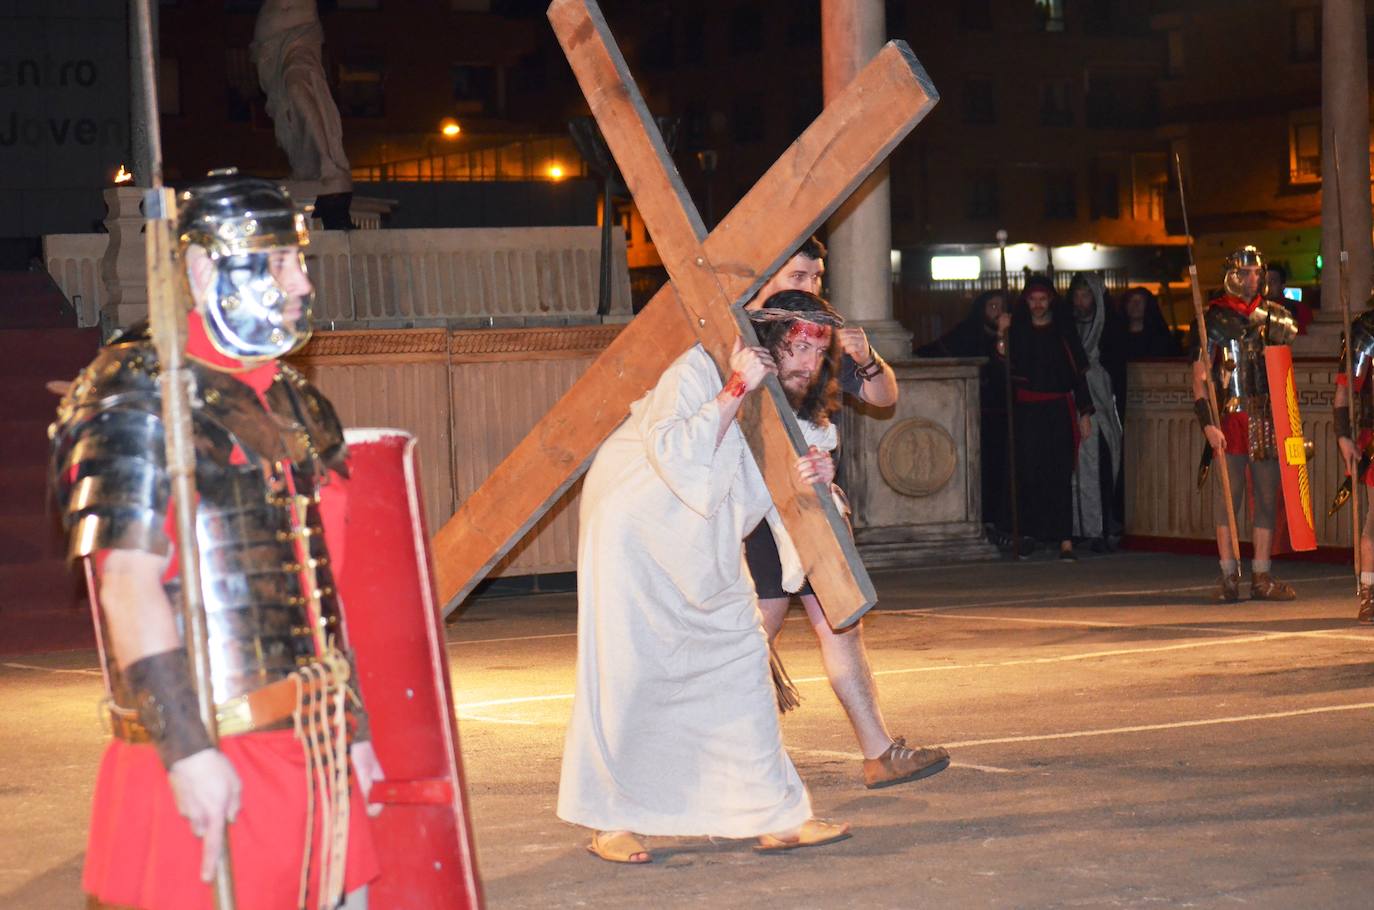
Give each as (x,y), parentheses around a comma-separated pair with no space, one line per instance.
(807,331)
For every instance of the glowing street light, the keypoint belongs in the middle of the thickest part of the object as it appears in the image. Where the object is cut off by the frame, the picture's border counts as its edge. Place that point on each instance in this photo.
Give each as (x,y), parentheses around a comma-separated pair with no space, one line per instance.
(449,128)
(555,171)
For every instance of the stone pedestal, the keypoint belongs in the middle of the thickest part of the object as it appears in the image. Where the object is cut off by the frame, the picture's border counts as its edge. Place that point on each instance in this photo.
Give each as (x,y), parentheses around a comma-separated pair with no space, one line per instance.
(913,471)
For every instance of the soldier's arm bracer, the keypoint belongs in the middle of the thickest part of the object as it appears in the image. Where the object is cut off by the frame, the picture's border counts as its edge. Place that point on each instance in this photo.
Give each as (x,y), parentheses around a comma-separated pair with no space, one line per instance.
(1340,418)
(111,481)
(1203,411)
(167,706)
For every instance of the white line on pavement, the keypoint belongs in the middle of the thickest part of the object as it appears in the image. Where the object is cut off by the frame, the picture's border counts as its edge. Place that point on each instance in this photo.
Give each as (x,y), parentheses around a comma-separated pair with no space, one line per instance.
(499,720)
(1055,598)
(1164,627)
(14,666)
(1067,658)
(487,641)
(1176,725)
(526,699)
(1234,639)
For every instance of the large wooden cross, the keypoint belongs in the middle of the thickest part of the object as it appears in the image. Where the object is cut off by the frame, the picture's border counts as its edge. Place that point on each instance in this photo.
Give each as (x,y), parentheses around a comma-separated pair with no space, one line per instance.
(710,276)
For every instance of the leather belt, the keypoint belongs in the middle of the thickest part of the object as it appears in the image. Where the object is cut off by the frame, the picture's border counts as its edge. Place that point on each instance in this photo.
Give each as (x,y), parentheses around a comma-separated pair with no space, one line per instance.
(269,707)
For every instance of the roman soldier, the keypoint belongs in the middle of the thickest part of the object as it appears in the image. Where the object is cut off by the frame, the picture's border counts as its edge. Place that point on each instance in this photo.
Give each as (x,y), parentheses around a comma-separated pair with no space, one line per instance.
(1240,325)
(294,762)
(1357,444)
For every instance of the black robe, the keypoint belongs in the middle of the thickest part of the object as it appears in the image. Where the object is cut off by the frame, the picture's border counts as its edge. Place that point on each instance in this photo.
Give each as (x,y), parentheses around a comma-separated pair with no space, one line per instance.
(1048,376)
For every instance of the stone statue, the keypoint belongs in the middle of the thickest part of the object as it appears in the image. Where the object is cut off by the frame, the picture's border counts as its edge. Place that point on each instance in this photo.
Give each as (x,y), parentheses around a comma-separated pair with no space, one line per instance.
(286,49)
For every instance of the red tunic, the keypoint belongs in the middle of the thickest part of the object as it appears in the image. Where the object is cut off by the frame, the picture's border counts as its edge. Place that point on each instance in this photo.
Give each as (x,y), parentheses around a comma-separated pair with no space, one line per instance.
(1236,427)
(1362,437)
(141,852)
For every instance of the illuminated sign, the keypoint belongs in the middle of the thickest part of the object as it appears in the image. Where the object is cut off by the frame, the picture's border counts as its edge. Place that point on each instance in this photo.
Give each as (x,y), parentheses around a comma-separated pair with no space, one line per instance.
(955,268)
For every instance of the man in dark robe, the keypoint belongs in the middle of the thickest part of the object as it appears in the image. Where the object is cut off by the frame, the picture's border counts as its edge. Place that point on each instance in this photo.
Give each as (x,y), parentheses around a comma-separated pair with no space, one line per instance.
(1053,408)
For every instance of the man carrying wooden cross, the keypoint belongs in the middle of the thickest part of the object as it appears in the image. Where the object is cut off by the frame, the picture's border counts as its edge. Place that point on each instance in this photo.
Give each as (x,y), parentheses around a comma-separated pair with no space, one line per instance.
(862,374)
(674,728)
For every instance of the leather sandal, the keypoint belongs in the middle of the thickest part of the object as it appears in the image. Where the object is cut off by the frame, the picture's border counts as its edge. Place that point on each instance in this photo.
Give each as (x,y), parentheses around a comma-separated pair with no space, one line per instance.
(813,833)
(618,847)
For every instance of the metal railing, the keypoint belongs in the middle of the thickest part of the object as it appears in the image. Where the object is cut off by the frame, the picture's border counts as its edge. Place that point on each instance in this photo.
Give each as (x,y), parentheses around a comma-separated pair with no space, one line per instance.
(527,159)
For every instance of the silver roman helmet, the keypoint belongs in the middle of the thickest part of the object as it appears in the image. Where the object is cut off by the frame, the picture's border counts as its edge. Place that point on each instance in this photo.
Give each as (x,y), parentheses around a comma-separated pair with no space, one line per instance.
(241,221)
(1237,265)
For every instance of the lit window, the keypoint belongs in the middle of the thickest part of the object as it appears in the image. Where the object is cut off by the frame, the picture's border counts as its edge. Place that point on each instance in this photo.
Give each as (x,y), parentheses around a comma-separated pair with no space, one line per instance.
(1305,147)
(1049,15)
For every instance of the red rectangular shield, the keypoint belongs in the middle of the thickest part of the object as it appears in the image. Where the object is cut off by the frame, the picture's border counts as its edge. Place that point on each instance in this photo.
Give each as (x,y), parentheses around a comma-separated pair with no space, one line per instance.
(1292,446)
(423,836)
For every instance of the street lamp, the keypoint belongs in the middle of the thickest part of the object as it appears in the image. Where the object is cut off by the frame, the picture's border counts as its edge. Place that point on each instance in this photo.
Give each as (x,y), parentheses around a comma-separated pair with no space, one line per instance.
(449,128)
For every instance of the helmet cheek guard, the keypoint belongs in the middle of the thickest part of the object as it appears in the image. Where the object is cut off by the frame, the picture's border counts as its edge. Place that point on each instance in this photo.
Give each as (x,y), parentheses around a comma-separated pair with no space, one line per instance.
(245,224)
(1238,264)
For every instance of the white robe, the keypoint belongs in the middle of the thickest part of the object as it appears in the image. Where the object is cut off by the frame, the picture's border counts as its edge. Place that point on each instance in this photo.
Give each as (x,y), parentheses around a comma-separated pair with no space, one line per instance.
(674,728)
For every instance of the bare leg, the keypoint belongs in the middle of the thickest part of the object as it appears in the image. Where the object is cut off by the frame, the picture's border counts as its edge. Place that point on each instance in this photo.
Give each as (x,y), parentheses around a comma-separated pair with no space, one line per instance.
(846,665)
(1224,542)
(1264,543)
(1367,536)
(774,611)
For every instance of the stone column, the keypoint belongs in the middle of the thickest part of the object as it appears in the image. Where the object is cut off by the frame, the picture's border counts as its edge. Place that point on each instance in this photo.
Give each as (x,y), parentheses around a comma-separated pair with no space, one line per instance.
(859,260)
(1345,119)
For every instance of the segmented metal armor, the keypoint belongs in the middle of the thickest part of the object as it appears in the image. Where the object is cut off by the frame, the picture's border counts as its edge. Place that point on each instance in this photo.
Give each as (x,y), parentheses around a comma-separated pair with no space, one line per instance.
(1242,382)
(1362,330)
(269,594)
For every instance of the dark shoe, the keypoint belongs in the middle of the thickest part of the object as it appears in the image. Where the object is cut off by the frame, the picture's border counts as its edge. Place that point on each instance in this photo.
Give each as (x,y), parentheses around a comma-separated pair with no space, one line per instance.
(1366,603)
(900,764)
(1228,589)
(1264,586)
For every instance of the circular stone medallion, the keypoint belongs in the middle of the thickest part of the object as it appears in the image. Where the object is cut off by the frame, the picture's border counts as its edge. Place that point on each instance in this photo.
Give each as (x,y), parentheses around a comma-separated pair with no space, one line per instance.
(917,457)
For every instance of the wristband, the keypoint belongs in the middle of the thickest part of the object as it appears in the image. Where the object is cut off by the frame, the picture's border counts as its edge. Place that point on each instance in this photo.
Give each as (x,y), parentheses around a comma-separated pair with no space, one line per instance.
(871,370)
(1203,412)
(1341,418)
(167,706)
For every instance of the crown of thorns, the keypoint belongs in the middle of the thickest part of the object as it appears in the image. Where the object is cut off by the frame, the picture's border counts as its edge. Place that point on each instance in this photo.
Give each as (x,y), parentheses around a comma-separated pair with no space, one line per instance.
(776,314)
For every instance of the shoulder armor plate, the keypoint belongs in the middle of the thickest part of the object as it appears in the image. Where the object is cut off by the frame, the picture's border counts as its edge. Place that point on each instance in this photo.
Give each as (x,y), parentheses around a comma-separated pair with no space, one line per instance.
(108,459)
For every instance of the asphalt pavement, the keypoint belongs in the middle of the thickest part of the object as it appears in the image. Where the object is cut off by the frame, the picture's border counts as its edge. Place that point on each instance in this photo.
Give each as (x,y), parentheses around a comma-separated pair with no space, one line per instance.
(1117,741)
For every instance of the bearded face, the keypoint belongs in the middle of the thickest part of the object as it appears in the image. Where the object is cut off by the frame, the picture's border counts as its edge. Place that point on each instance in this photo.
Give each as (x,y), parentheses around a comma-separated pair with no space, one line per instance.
(1038,302)
(800,356)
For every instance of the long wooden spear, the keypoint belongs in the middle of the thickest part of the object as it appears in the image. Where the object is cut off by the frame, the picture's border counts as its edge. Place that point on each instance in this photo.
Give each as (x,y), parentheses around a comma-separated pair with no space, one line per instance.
(1349,360)
(167,322)
(1011,417)
(1200,314)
